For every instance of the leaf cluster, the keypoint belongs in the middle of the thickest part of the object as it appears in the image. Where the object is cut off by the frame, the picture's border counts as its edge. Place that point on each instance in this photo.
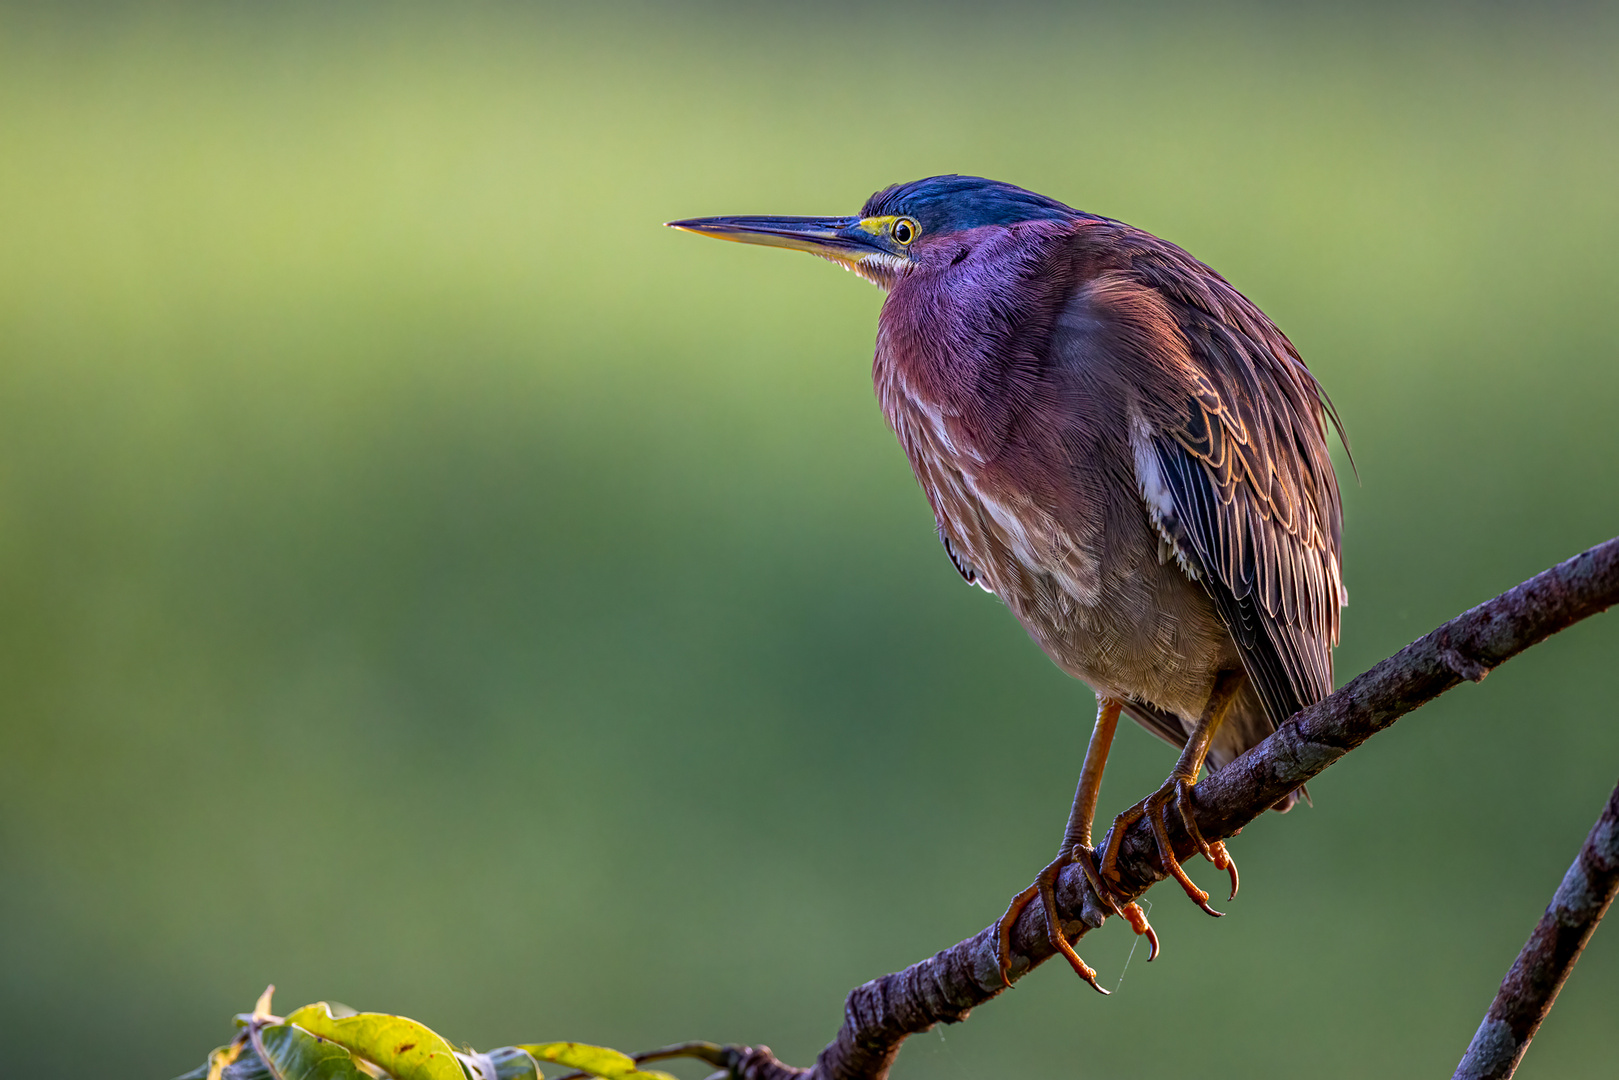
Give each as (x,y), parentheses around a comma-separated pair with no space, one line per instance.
(326,1041)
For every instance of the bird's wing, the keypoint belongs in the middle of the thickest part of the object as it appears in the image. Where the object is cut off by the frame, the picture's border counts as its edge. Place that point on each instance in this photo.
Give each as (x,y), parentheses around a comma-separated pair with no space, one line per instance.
(1231,454)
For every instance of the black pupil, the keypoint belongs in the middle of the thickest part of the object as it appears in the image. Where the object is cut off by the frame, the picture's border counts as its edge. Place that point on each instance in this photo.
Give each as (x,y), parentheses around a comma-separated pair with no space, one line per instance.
(902,233)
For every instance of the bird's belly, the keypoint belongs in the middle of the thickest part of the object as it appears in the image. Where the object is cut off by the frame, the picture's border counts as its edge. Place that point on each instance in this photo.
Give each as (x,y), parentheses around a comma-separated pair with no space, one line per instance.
(1147,632)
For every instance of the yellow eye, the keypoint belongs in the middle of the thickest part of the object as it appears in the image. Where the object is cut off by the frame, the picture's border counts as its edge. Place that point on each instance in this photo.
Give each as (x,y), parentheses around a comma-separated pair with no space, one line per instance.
(904,231)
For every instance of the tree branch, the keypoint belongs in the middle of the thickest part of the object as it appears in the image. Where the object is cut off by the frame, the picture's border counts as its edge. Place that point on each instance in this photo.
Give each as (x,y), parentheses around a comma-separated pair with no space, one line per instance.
(1527,993)
(879,1015)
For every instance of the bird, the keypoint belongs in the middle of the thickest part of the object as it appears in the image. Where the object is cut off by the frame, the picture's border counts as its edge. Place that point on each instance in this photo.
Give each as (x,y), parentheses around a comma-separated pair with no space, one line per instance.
(1126,451)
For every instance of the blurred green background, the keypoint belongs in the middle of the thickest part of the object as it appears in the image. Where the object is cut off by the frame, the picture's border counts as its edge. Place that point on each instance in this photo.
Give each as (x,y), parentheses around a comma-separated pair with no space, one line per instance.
(427,583)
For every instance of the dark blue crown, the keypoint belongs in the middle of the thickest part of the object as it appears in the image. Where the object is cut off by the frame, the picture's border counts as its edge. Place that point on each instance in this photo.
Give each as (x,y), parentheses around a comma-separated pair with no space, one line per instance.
(945,204)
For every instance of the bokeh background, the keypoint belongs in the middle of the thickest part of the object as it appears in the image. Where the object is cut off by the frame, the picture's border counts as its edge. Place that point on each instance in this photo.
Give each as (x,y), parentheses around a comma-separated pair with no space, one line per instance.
(426,583)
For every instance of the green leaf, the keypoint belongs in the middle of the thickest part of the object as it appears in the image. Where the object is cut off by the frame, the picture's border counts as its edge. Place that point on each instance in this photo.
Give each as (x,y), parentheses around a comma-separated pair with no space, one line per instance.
(294,1054)
(404,1049)
(515,1063)
(595,1060)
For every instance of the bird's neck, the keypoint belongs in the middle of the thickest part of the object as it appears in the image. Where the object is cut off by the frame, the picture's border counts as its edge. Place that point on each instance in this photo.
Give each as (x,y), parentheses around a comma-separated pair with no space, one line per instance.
(963,335)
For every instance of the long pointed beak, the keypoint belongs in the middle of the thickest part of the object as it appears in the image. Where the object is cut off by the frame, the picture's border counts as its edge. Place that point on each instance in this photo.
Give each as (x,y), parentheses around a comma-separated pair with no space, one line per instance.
(842,239)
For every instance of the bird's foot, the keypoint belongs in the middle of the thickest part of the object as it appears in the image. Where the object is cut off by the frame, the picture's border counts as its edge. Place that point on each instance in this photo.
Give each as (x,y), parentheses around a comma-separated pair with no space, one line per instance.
(1044,887)
(1176,789)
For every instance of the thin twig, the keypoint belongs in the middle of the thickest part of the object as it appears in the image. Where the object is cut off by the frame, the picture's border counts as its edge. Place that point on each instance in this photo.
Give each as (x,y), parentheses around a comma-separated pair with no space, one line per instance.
(1527,993)
(879,1015)
(713,1053)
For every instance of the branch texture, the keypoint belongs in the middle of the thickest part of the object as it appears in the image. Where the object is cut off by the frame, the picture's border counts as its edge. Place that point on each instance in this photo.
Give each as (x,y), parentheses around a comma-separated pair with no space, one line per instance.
(881,1014)
(1527,993)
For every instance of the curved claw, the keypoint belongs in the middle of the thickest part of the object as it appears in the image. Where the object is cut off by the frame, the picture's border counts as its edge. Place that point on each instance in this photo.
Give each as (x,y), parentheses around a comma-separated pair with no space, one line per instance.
(1223,861)
(1215,852)
(1138,922)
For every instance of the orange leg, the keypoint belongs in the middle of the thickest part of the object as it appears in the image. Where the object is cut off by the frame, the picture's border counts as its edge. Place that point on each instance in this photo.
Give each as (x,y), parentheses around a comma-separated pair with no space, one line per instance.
(1176,789)
(1076,847)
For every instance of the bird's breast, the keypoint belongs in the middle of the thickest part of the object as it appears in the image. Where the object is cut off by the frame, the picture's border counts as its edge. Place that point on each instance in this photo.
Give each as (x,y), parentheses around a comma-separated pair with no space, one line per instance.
(1004,533)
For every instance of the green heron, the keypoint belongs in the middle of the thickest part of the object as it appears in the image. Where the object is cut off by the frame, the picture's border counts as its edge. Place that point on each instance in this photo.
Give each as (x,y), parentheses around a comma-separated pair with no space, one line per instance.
(1128,453)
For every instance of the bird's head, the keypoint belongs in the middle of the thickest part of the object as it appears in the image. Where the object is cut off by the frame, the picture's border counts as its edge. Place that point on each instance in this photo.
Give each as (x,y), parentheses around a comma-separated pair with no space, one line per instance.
(897,226)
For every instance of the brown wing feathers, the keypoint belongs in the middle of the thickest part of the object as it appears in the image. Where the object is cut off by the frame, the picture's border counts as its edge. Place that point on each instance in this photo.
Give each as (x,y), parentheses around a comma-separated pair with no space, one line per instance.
(1239,433)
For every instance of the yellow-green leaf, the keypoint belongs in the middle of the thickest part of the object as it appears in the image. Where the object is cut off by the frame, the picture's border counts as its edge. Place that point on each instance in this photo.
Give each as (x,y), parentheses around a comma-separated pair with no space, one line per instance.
(403,1048)
(293,1054)
(595,1060)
